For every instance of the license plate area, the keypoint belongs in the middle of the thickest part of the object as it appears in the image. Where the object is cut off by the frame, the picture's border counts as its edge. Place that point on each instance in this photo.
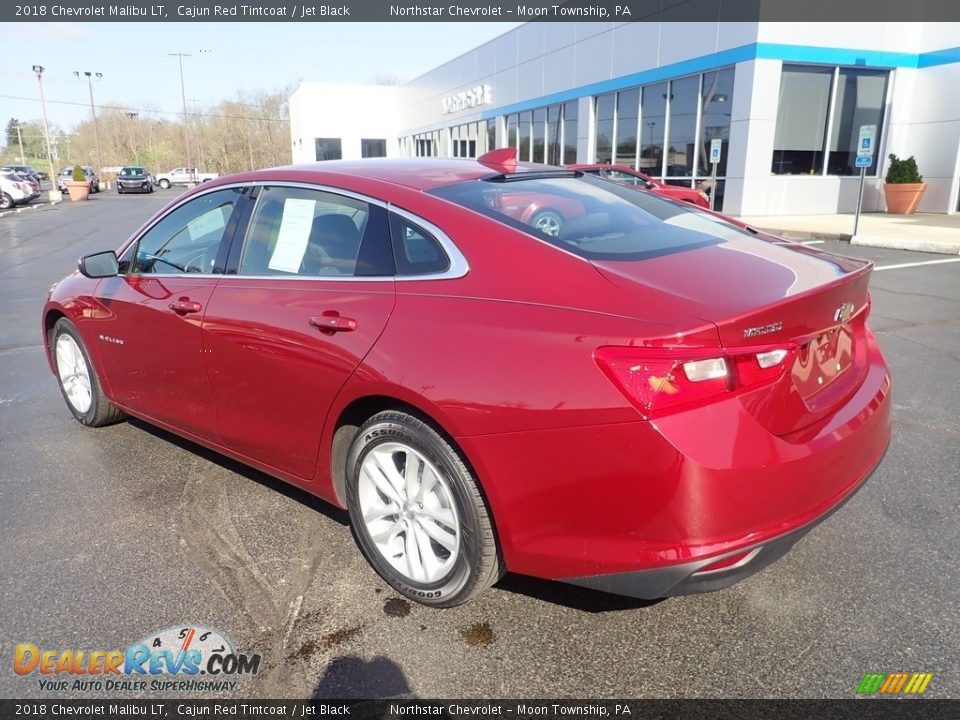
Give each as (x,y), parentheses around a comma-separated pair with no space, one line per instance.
(823,360)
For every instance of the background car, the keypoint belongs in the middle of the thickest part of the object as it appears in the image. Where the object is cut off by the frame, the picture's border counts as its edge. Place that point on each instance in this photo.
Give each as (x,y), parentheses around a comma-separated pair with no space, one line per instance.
(14,190)
(32,180)
(26,171)
(67,174)
(649,402)
(134,178)
(629,176)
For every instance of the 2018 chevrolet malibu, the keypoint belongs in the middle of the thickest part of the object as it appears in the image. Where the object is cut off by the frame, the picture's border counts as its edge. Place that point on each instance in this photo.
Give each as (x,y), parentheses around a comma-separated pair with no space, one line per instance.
(650,402)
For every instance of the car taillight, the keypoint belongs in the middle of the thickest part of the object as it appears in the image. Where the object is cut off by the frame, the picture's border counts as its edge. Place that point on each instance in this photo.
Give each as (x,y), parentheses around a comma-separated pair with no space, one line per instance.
(660,380)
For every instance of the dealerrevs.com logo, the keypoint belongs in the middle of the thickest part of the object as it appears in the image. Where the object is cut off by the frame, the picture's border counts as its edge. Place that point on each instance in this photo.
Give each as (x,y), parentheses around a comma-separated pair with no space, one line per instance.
(189,658)
(899,683)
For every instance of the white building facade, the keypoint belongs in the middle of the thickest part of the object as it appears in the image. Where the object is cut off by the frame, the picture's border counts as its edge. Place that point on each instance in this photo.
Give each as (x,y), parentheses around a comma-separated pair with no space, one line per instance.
(787,101)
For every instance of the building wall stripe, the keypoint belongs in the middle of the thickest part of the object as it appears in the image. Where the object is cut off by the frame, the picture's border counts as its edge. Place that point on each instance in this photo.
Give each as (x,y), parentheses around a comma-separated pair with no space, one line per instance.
(724,58)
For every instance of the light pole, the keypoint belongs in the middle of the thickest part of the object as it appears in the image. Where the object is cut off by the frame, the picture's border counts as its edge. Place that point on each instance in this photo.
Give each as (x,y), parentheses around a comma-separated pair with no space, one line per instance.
(38,69)
(183,94)
(133,145)
(93,109)
(23,159)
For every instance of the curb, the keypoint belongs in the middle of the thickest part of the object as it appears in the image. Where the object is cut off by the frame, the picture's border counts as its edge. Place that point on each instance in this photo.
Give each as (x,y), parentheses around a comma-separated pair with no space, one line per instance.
(32,206)
(941,247)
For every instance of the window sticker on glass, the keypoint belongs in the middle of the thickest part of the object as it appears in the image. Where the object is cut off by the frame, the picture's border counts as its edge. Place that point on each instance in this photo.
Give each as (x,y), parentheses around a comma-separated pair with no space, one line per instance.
(212,221)
(294,233)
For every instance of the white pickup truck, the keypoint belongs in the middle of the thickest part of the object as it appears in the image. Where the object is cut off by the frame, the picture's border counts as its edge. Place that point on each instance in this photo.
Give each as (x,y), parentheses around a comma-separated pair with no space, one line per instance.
(183,176)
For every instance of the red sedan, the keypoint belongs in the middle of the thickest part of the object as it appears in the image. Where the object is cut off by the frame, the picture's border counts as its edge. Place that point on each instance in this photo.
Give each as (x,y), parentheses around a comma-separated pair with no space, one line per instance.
(649,401)
(629,176)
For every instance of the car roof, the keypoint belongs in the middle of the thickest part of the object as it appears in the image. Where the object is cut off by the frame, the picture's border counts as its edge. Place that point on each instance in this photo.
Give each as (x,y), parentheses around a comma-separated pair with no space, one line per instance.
(413,173)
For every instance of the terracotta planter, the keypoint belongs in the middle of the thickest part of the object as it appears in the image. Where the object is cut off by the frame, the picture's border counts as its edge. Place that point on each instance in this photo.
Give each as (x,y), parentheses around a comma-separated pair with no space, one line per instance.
(78,190)
(903,199)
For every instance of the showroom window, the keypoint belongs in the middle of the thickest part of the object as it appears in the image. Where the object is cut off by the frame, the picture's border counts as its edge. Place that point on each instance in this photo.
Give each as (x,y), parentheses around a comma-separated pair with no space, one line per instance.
(328,149)
(682,129)
(373,148)
(466,141)
(819,115)
(665,129)
(628,115)
(427,144)
(859,101)
(540,134)
(603,142)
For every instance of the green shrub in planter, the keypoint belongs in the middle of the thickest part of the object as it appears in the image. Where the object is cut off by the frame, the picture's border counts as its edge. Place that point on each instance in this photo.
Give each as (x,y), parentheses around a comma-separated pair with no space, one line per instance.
(903,172)
(78,174)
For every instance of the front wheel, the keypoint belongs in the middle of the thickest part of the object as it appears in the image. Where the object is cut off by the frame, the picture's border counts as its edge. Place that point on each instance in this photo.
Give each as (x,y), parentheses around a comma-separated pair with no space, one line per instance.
(417,512)
(164,184)
(78,380)
(6,202)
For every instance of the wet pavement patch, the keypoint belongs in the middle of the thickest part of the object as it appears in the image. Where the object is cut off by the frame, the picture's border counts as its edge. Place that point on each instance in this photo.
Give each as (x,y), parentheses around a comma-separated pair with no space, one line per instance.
(478,634)
(328,641)
(396,607)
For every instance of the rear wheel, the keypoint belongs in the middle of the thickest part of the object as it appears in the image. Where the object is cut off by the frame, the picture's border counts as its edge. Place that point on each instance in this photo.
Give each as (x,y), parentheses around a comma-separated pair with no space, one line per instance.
(164,183)
(6,202)
(547,222)
(417,512)
(79,383)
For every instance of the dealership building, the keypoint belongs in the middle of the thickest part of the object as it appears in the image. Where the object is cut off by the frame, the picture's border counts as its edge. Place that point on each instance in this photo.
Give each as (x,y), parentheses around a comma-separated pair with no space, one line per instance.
(786,100)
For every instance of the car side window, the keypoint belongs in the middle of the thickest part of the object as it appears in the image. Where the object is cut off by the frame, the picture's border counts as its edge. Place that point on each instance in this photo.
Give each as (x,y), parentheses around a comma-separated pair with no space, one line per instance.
(415,250)
(299,232)
(623,177)
(187,239)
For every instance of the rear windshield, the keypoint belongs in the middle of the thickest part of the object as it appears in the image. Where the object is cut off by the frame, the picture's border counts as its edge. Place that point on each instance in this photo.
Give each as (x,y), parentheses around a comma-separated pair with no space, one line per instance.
(591,217)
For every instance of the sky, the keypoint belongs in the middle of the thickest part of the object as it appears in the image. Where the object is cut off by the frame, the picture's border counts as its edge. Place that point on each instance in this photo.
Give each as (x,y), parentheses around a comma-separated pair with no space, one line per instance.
(138,73)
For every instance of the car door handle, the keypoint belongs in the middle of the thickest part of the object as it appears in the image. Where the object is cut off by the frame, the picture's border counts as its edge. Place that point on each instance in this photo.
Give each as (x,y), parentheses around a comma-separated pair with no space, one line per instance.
(184,306)
(332,322)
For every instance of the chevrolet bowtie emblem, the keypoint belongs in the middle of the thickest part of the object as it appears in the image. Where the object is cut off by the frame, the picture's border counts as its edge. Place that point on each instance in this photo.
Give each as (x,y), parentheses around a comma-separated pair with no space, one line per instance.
(844,312)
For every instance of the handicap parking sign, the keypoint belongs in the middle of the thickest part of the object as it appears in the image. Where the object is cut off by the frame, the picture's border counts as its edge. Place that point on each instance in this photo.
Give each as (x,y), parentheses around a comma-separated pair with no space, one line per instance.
(865,162)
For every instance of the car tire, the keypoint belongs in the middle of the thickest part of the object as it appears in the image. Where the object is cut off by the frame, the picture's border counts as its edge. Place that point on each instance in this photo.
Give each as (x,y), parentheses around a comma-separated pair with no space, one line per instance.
(77,377)
(433,543)
(164,184)
(6,202)
(548,222)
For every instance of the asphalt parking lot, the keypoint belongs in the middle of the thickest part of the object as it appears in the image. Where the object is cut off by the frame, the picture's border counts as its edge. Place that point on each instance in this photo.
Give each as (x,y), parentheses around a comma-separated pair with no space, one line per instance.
(111,534)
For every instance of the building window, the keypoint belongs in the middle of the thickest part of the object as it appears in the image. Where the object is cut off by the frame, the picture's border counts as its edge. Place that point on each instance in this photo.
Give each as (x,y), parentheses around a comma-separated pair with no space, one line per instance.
(554,134)
(807,119)
(628,114)
(491,134)
(801,128)
(653,116)
(569,141)
(373,148)
(603,144)
(524,136)
(328,149)
(715,119)
(682,140)
(539,134)
(859,101)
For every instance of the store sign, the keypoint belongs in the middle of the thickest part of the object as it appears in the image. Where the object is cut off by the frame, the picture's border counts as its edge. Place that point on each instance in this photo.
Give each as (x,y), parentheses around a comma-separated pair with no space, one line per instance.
(474,97)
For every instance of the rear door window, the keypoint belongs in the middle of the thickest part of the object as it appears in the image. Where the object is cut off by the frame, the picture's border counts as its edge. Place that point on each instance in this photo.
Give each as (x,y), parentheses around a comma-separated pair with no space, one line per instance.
(300,232)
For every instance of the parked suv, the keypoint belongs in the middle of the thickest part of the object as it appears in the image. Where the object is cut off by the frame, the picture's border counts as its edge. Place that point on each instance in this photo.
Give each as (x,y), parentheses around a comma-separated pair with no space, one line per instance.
(134,178)
(14,190)
(67,174)
(32,180)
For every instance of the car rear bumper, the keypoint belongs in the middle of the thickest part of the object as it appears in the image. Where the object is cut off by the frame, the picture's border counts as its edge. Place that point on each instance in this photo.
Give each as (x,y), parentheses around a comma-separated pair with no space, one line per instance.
(699,576)
(643,508)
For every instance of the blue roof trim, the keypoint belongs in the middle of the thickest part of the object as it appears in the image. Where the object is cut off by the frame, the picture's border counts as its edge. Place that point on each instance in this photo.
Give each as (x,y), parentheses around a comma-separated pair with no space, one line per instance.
(836,56)
(725,58)
(939,57)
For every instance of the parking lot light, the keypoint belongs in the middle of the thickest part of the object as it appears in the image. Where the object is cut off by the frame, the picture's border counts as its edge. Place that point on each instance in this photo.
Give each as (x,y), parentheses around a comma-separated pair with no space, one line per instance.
(54,193)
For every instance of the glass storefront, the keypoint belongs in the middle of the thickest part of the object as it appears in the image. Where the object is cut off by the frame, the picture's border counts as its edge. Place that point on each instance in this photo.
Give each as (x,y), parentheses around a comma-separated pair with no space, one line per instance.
(665,129)
(819,115)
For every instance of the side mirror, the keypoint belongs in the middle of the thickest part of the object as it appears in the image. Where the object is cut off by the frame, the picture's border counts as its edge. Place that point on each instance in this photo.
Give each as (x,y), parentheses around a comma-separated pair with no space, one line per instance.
(100,265)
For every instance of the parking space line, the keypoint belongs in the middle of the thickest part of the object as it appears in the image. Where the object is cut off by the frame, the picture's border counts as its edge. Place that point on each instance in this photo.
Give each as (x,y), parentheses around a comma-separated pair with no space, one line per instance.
(813,242)
(916,264)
